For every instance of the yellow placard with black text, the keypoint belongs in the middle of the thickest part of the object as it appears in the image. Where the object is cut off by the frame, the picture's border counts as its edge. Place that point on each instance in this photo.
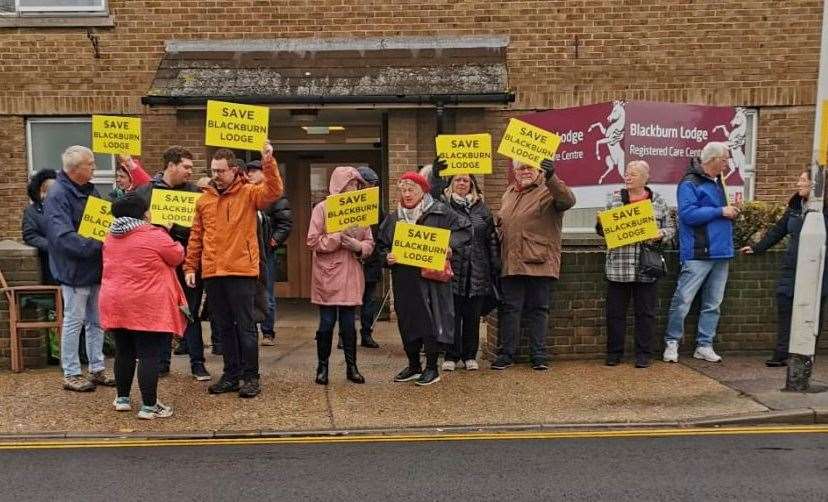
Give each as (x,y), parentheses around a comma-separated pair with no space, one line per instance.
(116,135)
(359,208)
(233,125)
(420,246)
(528,144)
(173,206)
(96,219)
(629,224)
(465,153)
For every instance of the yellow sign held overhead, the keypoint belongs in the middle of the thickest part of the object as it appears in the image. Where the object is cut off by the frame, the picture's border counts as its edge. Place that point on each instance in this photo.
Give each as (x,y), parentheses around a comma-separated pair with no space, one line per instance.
(420,246)
(629,224)
(528,144)
(465,153)
(359,208)
(173,206)
(117,135)
(96,219)
(232,125)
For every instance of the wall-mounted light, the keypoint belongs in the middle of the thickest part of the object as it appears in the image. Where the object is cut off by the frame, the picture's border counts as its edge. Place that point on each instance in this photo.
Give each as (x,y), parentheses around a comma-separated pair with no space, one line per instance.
(322,129)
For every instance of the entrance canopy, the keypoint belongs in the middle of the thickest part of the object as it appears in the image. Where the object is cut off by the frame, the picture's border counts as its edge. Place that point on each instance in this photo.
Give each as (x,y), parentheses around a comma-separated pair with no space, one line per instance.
(403,71)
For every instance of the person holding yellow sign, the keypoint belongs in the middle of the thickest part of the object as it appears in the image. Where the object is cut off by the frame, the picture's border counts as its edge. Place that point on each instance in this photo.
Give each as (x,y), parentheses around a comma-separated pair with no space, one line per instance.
(531,217)
(425,307)
(626,277)
(337,282)
(75,262)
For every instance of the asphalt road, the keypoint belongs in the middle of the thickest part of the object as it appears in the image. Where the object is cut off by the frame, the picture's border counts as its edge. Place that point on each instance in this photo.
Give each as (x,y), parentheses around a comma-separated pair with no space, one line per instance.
(737,467)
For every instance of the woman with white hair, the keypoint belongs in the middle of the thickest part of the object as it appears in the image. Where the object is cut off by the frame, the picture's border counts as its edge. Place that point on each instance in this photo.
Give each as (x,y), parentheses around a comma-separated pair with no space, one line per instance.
(625,277)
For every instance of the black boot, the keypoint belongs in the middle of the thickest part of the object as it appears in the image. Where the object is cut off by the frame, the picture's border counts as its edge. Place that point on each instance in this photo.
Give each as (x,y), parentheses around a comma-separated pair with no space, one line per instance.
(349,350)
(368,341)
(323,352)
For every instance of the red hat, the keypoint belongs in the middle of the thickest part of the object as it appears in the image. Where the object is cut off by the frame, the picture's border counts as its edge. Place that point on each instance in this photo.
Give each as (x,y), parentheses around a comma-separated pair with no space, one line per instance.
(418,179)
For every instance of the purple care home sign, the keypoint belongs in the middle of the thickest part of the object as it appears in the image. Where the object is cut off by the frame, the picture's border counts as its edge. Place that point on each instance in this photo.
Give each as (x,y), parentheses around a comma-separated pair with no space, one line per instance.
(597,142)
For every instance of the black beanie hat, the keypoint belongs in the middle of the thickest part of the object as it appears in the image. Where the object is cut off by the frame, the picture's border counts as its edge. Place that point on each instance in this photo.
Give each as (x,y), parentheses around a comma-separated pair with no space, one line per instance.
(130,205)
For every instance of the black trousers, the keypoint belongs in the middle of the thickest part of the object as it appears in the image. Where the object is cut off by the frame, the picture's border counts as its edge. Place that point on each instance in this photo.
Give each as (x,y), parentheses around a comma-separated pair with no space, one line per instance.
(784,312)
(370,306)
(231,308)
(146,346)
(525,303)
(192,336)
(328,316)
(643,295)
(467,311)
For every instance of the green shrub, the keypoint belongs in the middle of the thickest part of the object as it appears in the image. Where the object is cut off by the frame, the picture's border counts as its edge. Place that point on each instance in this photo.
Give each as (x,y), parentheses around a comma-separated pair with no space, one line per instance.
(754,220)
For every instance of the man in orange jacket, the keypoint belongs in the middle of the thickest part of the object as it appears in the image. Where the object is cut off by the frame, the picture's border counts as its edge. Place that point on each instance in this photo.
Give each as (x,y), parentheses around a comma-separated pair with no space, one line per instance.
(224,246)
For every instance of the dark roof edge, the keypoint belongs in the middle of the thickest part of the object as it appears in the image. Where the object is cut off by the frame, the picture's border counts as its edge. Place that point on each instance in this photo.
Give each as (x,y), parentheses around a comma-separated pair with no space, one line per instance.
(414,99)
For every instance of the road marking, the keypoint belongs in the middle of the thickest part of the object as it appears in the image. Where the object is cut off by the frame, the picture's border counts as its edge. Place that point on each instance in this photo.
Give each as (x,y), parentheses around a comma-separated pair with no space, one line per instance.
(404,438)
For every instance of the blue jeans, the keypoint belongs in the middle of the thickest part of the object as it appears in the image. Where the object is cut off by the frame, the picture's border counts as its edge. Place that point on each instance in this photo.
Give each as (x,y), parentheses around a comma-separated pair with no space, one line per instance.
(269,324)
(711,277)
(81,310)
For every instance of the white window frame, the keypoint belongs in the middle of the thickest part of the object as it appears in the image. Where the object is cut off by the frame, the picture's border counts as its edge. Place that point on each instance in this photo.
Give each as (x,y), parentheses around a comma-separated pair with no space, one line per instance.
(104,175)
(102,7)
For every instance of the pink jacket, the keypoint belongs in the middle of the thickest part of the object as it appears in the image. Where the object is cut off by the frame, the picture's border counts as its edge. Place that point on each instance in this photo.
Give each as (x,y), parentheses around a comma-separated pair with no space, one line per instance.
(337,272)
(139,288)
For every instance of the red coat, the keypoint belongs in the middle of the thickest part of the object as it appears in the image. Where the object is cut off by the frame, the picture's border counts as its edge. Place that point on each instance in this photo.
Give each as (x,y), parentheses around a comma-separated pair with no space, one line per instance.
(139,289)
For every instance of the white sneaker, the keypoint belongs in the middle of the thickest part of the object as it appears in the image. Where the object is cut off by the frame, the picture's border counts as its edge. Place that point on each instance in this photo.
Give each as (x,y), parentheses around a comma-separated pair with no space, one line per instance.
(122,404)
(449,365)
(707,354)
(671,352)
(160,410)
(471,365)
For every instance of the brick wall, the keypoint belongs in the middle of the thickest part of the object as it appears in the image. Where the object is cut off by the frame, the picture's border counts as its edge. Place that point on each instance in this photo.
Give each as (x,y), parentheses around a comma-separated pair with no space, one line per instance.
(13,175)
(20,267)
(577,325)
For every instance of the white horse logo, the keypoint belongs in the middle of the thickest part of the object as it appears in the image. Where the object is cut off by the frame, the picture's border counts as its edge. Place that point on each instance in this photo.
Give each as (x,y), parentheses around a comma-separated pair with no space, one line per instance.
(613,134)
(736,139)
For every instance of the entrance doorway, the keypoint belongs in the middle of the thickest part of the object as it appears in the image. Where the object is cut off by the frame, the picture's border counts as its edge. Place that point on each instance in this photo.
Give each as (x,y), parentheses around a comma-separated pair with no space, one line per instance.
(306,176)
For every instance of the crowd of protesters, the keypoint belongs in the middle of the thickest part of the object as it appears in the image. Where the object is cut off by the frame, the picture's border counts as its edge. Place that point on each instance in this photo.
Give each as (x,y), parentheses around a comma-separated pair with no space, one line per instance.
(509,260)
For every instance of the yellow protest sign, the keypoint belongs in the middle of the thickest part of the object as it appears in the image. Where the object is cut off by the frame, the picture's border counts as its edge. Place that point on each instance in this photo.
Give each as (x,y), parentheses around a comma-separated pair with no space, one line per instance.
(465,153)
(96,219)
(113,134)
(822,149)
(528,144)
(232,125)
(359,208)
(629,224)
(420,246)
(173,206)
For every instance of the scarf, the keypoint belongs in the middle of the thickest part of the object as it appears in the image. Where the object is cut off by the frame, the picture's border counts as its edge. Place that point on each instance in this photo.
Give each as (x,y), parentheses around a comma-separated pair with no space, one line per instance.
(468,201)
(124,225)
(412,215)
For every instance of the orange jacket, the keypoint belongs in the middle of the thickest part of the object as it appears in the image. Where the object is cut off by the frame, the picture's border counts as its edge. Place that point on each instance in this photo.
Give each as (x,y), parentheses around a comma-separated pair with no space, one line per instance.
(223,239)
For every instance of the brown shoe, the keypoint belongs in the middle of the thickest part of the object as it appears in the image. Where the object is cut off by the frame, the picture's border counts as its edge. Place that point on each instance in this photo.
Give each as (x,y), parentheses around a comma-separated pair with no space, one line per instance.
(78,384)
(269,341)
(101,378)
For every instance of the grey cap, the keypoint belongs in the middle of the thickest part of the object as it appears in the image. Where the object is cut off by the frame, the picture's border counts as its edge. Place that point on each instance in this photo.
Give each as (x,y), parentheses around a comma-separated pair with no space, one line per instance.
(368,175)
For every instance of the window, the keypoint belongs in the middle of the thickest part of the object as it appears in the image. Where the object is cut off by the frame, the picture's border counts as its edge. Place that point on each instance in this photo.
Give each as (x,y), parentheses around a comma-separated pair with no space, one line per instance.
(53,6)
(581,220)
(47,138)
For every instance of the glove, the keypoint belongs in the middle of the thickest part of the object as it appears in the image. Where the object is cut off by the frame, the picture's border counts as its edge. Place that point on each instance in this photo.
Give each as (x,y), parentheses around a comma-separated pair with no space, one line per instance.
(438,165)
(548,166)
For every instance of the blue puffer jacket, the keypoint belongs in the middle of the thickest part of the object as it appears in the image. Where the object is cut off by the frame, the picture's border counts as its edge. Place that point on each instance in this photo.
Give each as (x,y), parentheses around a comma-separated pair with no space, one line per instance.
(73,260)
(704,234)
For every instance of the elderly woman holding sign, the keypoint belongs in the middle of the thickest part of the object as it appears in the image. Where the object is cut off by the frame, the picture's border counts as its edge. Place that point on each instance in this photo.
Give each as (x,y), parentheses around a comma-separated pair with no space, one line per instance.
(337,282)
(627,272)
(423,300)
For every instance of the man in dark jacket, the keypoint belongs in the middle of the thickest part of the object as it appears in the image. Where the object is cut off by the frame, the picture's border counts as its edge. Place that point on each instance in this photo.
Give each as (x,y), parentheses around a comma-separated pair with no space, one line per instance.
(705,250)
(278,224)
(178,167)
(372,269)
(75,263)
(34,221)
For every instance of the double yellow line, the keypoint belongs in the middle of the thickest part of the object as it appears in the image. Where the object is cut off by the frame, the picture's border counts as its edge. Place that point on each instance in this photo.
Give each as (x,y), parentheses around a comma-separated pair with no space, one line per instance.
(413,438)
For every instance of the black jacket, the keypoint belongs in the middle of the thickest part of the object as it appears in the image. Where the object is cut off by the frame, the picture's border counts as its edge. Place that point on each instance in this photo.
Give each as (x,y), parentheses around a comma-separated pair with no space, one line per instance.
(280,219)
(790,224)
(372,265)
(425,309)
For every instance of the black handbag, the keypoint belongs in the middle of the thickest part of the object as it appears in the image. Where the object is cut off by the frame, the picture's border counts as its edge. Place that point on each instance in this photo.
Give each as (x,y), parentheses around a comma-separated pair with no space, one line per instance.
(651,264)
